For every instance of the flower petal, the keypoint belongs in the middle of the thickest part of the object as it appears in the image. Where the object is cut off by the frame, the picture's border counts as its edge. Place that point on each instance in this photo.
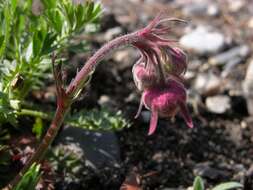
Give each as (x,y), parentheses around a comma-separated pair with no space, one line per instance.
(185,114)
(153,121)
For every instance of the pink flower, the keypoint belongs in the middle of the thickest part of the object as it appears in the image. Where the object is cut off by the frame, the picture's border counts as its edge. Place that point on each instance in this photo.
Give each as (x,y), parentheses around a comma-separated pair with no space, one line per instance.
(158,72)
(144,76)
(174,61)
(166,102)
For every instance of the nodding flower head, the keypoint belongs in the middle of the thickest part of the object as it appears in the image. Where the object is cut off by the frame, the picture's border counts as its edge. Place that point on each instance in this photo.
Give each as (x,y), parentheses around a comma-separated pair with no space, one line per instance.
(156,50)
(166,102)
(157,74)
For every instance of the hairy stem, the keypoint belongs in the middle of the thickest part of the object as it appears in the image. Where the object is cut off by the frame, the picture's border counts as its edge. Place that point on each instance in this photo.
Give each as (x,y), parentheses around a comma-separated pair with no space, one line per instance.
(91,64)
(64,102)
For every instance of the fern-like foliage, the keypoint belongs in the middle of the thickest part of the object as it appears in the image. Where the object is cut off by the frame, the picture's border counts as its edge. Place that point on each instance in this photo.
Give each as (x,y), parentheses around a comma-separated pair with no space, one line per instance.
(29,32)
(99,120)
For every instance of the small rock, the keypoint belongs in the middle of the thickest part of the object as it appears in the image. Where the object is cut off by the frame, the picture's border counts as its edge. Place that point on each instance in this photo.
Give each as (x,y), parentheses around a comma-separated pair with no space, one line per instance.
(203,41)
(158,157)
(145,115)
(248,87)
(218,104)
(189,75)
(207,84)
(235,6)
(206,171)
(230,66)
(104,99)
(97,149)
(250,23)
(125,58)
(213,10)
(236,52)
(112,33)
(195,9)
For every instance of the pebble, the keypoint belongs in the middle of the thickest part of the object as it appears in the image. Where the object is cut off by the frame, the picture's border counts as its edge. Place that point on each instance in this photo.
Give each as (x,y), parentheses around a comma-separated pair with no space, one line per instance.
(206,171)
(125,58)
(250,22)
(104,100)
(195,9)
(235,6)
(247,86)
(97,149)
(218,104)
(112,33)
(203,41)
(207,84)
(230,66)
(236,52)
(145,116)
(213,10)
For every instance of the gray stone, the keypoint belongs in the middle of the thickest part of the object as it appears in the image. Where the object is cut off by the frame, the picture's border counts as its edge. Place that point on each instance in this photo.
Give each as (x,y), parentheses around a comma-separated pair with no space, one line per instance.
(112,33)
(203,41)
(195,9)
(207,84)
(145,116)
(213,10)
(247,86)
(97,149)
(125,58)
(206,171)
(230,66)
(235,6)
(218,104)
(236,52)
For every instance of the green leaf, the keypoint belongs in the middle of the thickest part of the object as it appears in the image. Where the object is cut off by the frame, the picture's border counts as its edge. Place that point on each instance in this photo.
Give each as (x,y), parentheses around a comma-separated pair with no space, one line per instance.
(1,41)
(228,185)
(7,23)
(13,5)
(56,19)
(79,15)
(38,40)
(49,4)
(97,11)
(198,183)
(38,127)
(48,43)
(30,179)
(90,10)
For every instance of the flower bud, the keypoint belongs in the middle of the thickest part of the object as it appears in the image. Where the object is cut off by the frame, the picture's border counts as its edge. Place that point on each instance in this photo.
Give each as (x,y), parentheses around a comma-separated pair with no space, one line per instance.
(144,76)
(174,61)
(166,102)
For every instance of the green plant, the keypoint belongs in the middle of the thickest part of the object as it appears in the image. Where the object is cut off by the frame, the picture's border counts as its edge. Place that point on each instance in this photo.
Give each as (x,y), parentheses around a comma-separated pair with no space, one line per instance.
(30,31)
(30,179)
(199,185)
